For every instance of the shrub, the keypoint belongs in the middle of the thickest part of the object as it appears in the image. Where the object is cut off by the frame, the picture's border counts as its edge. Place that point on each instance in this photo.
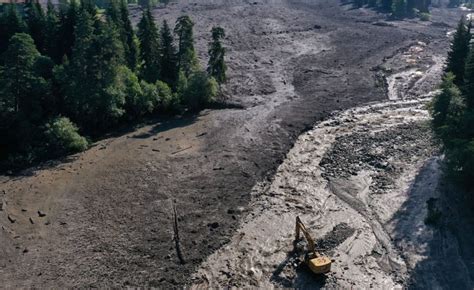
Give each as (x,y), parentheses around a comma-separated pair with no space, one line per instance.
(425,16)
(138,101)
(169,102)
(63,137)
(201,91)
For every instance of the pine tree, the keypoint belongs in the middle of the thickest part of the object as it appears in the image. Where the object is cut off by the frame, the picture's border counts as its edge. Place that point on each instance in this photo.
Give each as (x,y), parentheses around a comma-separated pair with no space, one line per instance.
(36,21)
(454,3)
(441,101)
(150,47)
(410,7)
(187,59)
(51,31)
(399,8)
(129,39)
(468,87)
(89,6)
(216,67)
(10,23)
(93,96)
(372,3)
(113,14)
(169,63)
(68,20)
(386,5)
(423,5)
(21,83)
(458,52)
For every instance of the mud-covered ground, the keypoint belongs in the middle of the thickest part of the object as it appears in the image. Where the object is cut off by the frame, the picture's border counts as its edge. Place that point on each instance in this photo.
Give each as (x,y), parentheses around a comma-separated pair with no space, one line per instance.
(110,216)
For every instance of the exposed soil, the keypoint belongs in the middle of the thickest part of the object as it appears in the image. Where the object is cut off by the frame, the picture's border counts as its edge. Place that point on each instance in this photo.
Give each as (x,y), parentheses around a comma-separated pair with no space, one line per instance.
(110,216)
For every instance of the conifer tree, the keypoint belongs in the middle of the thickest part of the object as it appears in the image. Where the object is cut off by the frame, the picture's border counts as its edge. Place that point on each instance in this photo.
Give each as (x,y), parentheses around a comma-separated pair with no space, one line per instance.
(68,19)
(21,83)
(441,101)
(458,52)
(36,21)
(410,7)
(216,67)
(150,47)
(90,80)
(468,86)
(386,5)
(51,31)
(113,14)
(187,59)
(10,23)
(399,8)
(89,6)
(169,63)
(129,39)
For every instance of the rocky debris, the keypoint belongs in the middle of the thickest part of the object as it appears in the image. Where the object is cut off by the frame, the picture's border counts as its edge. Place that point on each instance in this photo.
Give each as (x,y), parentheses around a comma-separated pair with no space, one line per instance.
(41,214)
(334,238)
(11,219)
(383,152)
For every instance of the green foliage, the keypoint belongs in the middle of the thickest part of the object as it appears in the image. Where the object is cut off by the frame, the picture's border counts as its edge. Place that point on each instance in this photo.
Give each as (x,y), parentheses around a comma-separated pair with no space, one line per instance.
(454,3)
(216,67)
(425,16)
(129,39)
(169,102)
(453,114)
(386,5)
(92,91)
(150,47)
(468,87)
(81,66)
(36,21)
(22,86)
(51,31)
(458,52)
(442,101)
(63,137)
(68,19)
(200,91)
(10,23)
(399,8)
(187,59)
(138,101)
(169,62)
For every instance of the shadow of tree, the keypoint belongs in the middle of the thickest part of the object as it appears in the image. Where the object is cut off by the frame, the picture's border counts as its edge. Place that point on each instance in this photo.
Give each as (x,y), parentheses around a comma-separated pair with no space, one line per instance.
(445,251)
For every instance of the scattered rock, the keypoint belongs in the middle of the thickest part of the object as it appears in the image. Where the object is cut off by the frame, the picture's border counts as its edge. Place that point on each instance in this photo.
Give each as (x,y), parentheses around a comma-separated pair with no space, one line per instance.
(11,219)
(31,221)
(213,225)
(41,214)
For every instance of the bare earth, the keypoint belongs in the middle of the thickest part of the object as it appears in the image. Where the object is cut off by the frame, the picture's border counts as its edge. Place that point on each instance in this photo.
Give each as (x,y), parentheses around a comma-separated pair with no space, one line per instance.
(238,177)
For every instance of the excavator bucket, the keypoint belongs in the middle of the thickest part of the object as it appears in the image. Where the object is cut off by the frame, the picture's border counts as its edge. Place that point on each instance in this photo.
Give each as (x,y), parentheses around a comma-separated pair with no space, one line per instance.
(319,265)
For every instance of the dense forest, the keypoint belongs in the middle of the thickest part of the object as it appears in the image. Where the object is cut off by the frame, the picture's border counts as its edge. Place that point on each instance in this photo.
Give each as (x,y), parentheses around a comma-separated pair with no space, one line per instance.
(74,73)
(453,107)
(399,8)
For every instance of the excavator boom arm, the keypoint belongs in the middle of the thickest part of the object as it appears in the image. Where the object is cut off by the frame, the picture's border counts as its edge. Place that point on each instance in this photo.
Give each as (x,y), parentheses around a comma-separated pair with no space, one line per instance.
(300,227)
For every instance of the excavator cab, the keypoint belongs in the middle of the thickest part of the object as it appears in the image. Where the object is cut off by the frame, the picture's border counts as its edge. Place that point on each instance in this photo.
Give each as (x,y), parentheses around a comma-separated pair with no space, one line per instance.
(316,262)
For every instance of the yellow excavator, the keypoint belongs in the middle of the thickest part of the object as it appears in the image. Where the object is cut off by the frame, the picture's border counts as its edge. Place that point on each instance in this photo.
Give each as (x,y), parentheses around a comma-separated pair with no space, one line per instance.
(316,262)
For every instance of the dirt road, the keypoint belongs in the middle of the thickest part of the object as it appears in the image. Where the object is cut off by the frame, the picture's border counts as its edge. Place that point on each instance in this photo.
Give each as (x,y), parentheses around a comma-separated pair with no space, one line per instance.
(106,217)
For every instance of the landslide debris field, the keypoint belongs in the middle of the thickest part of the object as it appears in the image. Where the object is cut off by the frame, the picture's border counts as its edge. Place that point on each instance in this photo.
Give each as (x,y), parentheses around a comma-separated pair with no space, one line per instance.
(230,182)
